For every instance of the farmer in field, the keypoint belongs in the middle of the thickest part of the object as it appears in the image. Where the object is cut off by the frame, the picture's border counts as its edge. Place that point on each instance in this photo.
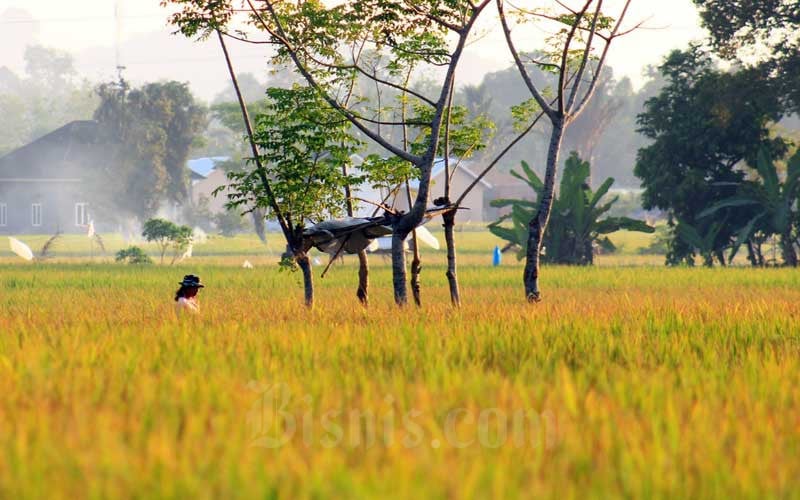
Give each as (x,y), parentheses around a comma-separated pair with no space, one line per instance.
(186,296)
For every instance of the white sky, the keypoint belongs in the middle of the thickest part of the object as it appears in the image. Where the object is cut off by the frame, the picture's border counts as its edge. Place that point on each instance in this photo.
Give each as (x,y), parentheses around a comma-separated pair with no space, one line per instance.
(87,28)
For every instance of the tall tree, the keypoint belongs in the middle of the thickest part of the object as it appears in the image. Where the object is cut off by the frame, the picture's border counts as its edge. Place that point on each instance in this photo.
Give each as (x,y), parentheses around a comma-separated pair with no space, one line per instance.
(582,33)
(761,33)
(47,97)
(332,47)
(302,144)
(152,129)
(703,124)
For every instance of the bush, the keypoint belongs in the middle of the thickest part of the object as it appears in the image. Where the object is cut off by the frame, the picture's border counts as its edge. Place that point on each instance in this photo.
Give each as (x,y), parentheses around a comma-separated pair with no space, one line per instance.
(167,234)
(133,255)
(229,223)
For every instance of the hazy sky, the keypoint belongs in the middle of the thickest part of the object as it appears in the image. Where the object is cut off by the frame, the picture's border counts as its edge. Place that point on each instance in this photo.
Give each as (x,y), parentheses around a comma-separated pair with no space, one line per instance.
(87,28)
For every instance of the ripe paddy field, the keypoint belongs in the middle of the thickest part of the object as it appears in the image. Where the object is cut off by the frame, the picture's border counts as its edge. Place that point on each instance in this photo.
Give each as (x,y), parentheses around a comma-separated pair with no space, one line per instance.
(628,380)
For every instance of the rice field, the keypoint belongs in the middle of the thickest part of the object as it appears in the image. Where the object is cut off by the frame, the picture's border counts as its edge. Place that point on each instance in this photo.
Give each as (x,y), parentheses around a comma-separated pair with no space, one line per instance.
(627,381)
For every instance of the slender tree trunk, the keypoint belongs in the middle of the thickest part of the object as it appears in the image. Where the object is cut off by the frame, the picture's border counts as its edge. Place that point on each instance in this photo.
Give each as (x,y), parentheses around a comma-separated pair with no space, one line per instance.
(751,254)
(308,278)
(588,252)
(259,214)
(363,278)
(416,263)
(787,249)
(416,270)
(452,276)
(363,264)
(721,257)
(399,269)
(538,224)
(759,254)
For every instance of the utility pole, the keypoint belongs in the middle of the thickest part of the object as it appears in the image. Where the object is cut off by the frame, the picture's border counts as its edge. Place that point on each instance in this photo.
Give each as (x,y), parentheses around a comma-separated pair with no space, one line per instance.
(117,38)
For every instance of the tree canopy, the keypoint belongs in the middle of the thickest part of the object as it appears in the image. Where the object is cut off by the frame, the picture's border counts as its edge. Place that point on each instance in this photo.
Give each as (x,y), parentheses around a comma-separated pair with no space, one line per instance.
(151,130)
(759,33)
(704,124)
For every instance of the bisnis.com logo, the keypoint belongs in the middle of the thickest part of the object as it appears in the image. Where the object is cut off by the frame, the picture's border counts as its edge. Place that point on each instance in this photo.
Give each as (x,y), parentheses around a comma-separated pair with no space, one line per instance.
(278,417)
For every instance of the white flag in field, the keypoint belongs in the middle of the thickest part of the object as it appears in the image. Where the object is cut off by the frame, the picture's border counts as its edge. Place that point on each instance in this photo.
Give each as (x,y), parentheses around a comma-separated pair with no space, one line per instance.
(90,230)
(20,248)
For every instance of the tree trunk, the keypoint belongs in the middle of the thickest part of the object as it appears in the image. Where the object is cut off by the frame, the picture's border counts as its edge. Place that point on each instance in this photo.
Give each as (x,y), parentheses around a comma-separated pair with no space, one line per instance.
(720,257)
(538,223)
(416,270)
(363,264)
(259,214)
(399,269)
(588,252)
(787,249)
(452,277)
(751,254)
(759,254)
(308,278)
(363,278)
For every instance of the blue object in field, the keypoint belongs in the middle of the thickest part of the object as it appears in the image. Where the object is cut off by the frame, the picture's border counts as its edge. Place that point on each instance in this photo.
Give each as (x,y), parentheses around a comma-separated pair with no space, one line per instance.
(497,257)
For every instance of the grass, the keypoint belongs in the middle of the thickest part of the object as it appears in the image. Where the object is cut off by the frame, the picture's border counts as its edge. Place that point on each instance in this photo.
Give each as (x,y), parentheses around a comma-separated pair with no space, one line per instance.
(625,381)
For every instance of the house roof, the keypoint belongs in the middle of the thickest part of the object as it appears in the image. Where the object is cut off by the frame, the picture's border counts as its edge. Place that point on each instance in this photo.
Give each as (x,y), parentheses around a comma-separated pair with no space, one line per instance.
(60,153)
(203,166)
(438,168)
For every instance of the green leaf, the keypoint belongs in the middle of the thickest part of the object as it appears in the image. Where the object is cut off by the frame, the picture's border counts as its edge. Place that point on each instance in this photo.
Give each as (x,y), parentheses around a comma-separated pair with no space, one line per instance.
(744,234)
(504,202)
(729,203)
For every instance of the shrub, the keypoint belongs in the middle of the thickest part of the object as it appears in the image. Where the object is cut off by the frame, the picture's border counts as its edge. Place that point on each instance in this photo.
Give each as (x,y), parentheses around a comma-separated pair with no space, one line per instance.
(133,255)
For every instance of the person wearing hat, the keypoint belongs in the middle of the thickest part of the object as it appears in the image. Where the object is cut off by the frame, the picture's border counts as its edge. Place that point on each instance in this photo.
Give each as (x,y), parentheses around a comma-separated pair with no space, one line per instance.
(186,296)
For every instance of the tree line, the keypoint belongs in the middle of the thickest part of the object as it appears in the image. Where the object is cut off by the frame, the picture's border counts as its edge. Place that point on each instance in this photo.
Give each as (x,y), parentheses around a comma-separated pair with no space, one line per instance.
(717,164)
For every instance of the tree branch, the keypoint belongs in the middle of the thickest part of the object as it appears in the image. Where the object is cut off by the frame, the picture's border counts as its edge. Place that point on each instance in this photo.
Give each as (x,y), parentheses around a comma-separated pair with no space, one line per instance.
(586,54)
(549,111)
(562,75)
(286,225)
(601,62)
(279,34)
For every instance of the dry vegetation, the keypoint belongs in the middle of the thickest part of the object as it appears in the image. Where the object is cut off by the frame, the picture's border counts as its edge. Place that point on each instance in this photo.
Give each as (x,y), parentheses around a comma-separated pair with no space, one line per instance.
(626,381)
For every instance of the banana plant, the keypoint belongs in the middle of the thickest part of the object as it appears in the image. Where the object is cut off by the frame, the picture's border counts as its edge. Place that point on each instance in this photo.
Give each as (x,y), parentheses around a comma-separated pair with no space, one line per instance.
(576,220)
(775,203)
(703,239)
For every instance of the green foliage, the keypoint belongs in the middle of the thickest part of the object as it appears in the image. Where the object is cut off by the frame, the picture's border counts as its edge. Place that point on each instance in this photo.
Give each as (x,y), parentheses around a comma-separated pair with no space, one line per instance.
(49,95)
(702,124)
(740,28)
(577,221)
(152,129)
(229,222)
(772,202)
(304,143)
(167,235)
(133,255)
(468,134)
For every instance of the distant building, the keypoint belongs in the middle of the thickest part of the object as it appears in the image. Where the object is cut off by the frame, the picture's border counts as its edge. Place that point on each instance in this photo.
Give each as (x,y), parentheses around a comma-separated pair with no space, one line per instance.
(477,201)
(205,178)
(44,185)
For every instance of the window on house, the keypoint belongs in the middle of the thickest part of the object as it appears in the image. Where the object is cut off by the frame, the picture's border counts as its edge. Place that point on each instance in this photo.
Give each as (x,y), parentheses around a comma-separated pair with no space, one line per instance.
(3,214)
(81,214)
(36,214)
